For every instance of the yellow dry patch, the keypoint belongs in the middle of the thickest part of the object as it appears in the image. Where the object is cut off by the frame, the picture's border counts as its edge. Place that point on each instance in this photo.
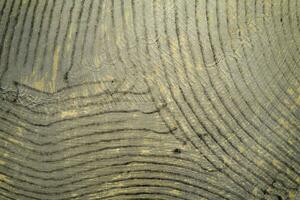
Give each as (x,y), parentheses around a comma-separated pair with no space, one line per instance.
(276,163)
(241,149)
(2,162)
(5,155)
(55,68)
(37,81)
(292,195)
(14,141)
(289,171)
(298,100)
(117,150)
(19,131)
(163,89)
(290,91)
(259,162)
(118,177)
(24,1)
(298,90)
(176,91)
(291,141)
(226,160)
(286,101)
(69,113)
(255,191)
(97,61)
(68,45)
(39,84)
(70,32)
(127,16)
(108,78)
(74,194)
(284,123)
(120,42)
(268,4)
(175,192)
(174,47)
(251,25)
(145,151)
(3,178)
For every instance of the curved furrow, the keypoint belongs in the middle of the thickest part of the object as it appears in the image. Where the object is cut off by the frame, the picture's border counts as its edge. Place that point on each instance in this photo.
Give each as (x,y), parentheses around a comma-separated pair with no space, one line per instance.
(277,20)
(218,128)
(272,129)
(71,55)
(72,157)
(181,101)
(131,28)
(70,151)
(5,12)
(36,56)
(292,16)
(261,105)
(239,124)
(287,164)
(41,106)
(283,151)
(92,181)
(2,7)
(5,46)
(264,33)
(183,128)
(285,25)
(103,100)
(111,54)
(89,172)
(88,126)
(290,127)
(246,103)
(155,174)
(18,39)
(203,150)
(69,148)
(75,115)
(255,126)
(120,40)
(245,128)
(137,63)
(34,35)
(49,24)
(114,161)
(268,11)
(24,39)
(297,15)
(126,47)
(260,84)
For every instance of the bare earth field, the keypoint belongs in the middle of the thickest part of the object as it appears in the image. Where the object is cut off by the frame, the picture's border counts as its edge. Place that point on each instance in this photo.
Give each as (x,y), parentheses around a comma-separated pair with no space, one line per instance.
(150,99)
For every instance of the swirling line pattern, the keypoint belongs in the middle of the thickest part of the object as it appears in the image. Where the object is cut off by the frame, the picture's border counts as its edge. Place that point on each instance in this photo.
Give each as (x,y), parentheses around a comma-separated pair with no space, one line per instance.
(150,99)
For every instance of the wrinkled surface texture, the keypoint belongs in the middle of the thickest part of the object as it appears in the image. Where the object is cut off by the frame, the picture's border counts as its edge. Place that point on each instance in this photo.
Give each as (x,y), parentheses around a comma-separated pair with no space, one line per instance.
(149,99)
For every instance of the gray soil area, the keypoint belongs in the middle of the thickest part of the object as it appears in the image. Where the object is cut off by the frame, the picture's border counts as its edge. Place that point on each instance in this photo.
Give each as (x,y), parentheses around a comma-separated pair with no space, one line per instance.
(149,99)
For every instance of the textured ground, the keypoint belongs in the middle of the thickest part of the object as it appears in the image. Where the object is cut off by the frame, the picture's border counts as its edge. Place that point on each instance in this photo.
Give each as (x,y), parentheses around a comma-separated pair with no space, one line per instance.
(149,99)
